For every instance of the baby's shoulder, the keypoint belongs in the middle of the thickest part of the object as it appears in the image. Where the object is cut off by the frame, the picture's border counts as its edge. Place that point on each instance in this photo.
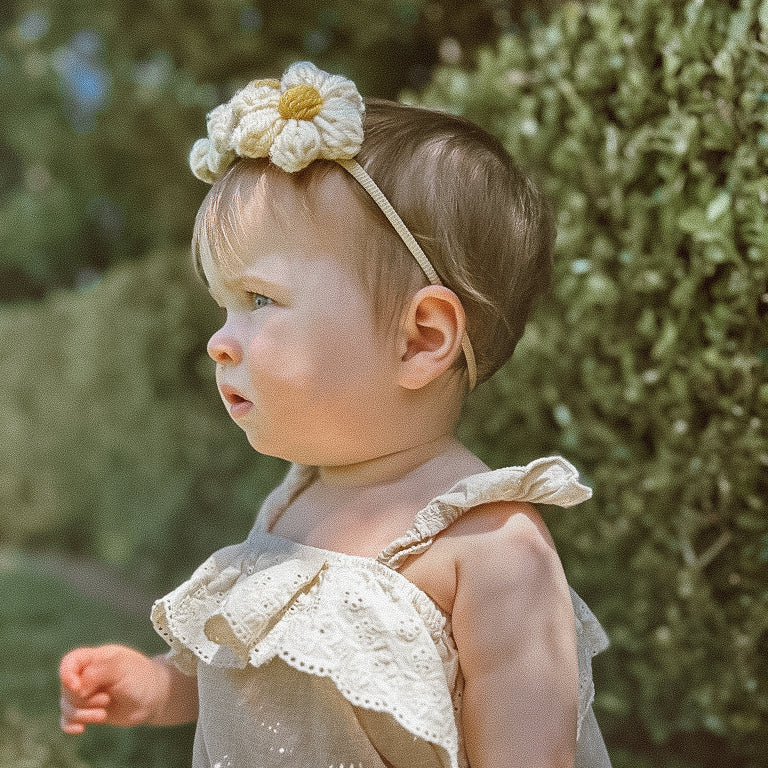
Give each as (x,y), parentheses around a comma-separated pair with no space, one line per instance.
(496,521)
(497,542)
(506,542)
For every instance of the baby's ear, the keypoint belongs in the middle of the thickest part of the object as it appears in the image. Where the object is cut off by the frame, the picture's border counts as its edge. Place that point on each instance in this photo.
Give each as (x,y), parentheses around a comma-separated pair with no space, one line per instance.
(432,327)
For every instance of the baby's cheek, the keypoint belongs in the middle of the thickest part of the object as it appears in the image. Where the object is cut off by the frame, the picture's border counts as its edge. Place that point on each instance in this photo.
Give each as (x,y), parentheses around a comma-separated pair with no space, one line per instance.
(311,360)
(279,374)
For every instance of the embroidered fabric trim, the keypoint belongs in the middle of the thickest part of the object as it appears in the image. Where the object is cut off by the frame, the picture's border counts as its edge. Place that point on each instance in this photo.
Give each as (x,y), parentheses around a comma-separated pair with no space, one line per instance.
(356,620)
(549,480)
(324,614)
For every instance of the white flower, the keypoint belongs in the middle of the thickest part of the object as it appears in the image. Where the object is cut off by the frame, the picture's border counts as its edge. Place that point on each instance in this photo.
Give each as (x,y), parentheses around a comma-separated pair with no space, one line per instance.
(306,116)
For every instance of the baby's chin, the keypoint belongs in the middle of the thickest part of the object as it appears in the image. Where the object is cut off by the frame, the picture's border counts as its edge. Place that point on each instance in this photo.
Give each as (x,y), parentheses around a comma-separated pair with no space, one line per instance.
(312,456)
(279,450)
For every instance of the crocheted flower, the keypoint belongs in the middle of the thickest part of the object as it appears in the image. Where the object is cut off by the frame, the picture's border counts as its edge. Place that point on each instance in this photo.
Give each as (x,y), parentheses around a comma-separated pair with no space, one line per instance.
(306,116)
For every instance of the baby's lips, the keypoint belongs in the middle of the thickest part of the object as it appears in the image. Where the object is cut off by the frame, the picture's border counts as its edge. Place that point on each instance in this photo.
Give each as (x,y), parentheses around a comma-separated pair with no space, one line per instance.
(237,404)
(231,395)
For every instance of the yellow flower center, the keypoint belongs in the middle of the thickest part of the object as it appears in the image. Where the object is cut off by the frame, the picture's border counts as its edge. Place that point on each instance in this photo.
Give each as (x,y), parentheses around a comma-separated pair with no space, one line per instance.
(302,102)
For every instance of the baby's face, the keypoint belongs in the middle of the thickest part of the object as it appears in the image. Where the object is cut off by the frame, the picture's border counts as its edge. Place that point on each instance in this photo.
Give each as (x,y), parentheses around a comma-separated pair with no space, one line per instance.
(301,365)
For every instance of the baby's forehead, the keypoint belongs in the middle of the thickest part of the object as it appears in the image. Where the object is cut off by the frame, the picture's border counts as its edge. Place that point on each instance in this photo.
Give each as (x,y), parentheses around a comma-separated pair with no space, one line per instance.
(322,196)
(319,205)
(322,204)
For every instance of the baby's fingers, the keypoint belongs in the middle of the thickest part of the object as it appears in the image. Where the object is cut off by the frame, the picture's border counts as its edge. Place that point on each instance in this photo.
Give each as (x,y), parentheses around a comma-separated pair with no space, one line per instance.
(74,717)
(84,671)
(71,669)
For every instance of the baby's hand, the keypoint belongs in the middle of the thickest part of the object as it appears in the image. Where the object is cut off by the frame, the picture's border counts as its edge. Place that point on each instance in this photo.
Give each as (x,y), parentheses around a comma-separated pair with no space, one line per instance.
(110,684)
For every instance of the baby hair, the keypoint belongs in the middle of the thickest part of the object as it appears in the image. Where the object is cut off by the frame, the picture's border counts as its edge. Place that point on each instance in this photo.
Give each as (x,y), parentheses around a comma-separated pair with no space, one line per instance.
(482,223)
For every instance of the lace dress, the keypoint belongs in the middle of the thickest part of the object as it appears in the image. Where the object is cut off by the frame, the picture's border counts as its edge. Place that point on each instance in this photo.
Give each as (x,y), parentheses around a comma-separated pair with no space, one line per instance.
(316,659)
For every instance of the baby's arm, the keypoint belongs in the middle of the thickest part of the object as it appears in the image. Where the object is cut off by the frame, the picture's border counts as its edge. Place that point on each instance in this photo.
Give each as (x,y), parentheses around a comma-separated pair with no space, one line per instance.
(118,685)
(514,628)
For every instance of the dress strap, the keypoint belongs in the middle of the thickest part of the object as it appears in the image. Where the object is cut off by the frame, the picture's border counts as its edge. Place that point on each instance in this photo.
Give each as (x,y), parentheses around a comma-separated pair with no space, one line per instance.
(298,477)
(551,480)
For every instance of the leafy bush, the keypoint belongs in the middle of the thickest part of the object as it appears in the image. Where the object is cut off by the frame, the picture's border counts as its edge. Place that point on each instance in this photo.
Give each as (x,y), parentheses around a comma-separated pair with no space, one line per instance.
(103,99)
(647,123)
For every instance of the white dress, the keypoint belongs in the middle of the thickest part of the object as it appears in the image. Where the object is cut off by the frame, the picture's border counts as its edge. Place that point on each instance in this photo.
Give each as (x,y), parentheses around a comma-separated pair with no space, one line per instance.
(316,659)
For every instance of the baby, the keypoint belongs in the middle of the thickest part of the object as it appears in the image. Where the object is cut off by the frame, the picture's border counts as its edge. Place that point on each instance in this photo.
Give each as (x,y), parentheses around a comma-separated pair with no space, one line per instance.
(396,603)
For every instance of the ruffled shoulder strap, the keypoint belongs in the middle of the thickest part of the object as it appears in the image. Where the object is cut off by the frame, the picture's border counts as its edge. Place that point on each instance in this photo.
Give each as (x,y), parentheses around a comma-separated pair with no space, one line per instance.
(551,480)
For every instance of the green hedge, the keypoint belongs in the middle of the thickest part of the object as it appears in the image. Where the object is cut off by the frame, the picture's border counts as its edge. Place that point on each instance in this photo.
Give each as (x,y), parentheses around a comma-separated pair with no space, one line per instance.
(647,123)
(103,98)
(40,619)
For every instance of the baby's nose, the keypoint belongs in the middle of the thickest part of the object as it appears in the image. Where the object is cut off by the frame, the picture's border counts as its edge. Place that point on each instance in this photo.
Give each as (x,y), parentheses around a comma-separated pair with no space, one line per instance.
(224,349)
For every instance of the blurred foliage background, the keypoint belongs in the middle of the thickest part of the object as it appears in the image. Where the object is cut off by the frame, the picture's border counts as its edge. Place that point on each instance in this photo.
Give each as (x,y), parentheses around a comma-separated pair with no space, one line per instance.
(647,123)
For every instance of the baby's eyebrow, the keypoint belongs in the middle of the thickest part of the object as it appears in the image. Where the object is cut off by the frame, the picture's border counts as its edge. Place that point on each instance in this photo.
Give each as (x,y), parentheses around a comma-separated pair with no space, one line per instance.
(246,281)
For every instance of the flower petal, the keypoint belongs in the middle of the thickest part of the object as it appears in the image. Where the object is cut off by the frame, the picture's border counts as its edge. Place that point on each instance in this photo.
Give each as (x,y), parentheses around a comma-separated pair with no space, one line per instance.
(206,163)
(339,87)
(256,131)
(341,130)
(254,96)
(220,124)
(342,113)
(296,146)
(303,73)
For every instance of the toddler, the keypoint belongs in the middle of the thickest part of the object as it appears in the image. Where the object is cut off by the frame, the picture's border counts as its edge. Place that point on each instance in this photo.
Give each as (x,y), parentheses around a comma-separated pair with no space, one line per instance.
(396,604)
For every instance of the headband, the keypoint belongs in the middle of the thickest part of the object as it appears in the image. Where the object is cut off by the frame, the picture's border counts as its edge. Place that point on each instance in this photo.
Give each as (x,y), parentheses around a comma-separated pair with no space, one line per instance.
(307,115)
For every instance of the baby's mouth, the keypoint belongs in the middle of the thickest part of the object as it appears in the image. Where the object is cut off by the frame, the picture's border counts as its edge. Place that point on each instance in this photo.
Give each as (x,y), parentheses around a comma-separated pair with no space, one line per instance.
(238,405)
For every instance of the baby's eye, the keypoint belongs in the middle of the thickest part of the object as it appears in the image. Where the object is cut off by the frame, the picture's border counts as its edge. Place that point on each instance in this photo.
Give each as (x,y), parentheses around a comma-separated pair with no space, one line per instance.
(258,300)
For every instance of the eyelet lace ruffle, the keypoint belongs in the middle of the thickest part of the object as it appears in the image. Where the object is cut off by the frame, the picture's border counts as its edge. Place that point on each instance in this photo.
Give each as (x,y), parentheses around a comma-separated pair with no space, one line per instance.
(351,619)
(549,480)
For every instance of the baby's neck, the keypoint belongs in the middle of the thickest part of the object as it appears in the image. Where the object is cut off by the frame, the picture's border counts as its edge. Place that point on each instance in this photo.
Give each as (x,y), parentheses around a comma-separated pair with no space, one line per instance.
(391,467)
(360,510)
